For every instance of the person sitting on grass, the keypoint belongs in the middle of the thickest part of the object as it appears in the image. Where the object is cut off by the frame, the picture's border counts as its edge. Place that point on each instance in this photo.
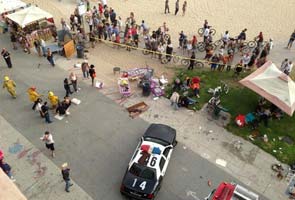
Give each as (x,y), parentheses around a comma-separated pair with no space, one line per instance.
(195,86)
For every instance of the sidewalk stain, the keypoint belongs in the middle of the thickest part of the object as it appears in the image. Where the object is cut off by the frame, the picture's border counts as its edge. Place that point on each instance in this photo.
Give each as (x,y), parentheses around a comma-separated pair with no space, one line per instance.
(15,147)
(32,158)
(40,171)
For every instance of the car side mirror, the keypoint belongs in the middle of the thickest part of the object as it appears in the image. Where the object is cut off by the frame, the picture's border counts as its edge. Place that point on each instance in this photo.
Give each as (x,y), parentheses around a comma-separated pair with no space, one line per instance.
(174,143)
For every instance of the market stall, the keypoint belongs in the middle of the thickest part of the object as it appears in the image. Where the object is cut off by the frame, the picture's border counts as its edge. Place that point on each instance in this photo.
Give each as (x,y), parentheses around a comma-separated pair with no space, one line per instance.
(33,23)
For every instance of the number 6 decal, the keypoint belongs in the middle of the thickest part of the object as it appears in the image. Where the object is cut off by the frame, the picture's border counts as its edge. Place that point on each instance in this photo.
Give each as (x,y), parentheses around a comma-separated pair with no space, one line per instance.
(153,161)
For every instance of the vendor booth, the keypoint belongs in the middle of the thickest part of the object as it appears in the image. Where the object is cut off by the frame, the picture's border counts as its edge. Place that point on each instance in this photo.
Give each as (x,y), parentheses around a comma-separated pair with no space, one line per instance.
(33,23)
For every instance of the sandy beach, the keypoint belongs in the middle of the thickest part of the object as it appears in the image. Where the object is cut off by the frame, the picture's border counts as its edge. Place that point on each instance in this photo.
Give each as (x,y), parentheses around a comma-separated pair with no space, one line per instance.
(269,16)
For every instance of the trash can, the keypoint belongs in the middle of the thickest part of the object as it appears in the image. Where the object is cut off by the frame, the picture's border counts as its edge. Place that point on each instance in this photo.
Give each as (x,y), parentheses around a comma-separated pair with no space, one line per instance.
(80,51)
(146,89)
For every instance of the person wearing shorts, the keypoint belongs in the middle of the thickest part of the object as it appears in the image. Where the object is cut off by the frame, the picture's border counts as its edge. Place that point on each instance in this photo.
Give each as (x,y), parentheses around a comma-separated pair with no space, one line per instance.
(49,142)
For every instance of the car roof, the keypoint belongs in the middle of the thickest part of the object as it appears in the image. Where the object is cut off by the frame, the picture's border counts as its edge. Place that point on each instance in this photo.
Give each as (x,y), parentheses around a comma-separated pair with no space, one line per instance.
(143,155)
(162,132)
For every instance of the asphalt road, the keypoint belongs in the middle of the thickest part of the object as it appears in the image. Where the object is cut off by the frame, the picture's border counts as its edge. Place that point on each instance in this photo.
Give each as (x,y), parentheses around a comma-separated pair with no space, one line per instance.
(98,138)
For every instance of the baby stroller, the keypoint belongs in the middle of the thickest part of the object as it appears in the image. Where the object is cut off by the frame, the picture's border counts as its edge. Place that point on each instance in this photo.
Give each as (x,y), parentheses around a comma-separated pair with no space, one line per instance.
(124,87)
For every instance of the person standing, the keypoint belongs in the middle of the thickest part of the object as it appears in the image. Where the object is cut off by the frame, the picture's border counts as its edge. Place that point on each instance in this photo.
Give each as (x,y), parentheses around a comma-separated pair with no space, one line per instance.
(50,57)
(6,56)
(67,87)
(167,6)
(13,40)
(10,85)
(92,74)
(37,45)
(85,69)
(176,7)
(291,40)
(45,111)
(43,47)
(184,8)
(53,99)
(284,64)
(33,96)
(192,62)
(49,143)
(65,171)
(74,80)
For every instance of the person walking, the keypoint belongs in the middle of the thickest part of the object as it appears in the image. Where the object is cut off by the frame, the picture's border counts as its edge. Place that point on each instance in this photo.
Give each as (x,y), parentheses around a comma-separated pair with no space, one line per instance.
(176,7)
(13,40)
(291,40)
(184,8)
(49,142)
(74,80)
(43,47)
(6,56)
(67,87)
(167,6)
(85,69)
(50,57)
(92,74)
(45,111)
(10,86)
(53,99)
(33,96)
(65,171)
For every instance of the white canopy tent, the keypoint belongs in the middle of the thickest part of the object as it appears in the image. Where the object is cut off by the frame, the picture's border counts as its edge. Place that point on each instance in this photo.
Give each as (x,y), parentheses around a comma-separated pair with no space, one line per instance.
(274,85)
(10,5)
(29,15)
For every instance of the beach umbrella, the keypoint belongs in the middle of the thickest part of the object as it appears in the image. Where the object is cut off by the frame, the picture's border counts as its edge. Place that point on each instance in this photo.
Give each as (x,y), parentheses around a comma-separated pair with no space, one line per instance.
(272,84)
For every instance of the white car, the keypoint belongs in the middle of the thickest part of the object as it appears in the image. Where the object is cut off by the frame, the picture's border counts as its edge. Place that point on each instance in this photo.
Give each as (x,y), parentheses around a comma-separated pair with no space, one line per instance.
(149,162)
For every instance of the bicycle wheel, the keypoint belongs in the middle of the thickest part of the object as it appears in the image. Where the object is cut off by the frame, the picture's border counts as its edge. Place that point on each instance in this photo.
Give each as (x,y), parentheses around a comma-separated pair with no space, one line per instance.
(175,58)
(201,31)
(201,46)
(218,42)
(185,62)
(213,31)
(245,49)
(252,44)
(164,60)
(166,37)
(199,65)
(145,52)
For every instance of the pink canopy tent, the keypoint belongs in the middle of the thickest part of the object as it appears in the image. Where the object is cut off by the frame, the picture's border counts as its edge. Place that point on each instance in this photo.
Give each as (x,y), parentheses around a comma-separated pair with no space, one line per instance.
(274,85)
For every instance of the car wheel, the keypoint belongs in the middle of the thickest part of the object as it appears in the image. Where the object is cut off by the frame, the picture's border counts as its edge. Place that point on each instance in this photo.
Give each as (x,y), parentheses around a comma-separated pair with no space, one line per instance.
(174,143)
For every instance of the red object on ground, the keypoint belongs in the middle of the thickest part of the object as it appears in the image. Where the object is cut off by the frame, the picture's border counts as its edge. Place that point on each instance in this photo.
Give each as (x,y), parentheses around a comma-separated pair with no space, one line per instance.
(240,120)
(224,191)
(196,79)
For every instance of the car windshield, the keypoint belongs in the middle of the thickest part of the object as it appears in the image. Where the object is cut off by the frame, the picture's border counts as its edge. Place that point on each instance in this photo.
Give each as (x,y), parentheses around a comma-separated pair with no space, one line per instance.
(142,172)
(156,141)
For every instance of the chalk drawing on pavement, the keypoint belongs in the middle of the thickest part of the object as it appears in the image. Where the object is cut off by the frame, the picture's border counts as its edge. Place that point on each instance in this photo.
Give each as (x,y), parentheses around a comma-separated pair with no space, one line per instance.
(23,153)
(192,194)
(15,147)
(40,170)
(32,158)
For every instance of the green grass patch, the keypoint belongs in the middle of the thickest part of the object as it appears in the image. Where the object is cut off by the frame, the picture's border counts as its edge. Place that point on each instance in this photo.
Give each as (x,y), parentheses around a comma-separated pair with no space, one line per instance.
(241,100)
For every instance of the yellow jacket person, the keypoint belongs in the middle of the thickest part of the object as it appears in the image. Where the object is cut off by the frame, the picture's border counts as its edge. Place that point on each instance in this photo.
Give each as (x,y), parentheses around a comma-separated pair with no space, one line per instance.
(53,99)
(10,85)
(33,95)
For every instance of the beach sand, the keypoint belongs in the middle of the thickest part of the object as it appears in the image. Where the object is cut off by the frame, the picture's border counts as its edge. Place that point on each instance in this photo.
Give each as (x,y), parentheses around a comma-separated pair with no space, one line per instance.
(272,17)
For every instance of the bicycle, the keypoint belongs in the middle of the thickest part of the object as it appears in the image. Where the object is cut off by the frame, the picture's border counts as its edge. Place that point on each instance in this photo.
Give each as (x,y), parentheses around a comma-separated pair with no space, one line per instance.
(197,64)
(201,31)
(174,57)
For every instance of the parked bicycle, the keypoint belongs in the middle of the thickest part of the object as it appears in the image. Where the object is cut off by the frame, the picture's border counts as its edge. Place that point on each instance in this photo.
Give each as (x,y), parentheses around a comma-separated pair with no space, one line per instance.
(167,58)
(197,64)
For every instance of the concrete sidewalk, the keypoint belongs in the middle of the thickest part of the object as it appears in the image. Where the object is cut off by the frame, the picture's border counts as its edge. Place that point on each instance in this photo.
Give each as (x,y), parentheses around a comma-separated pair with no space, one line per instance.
(36,176)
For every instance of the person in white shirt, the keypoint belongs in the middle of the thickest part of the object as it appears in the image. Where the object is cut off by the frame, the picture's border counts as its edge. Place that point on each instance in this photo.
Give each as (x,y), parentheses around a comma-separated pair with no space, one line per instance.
(161,50)
(288,68)
(49,142)
(246,59)
(284,64)
(225,38)
(206,33)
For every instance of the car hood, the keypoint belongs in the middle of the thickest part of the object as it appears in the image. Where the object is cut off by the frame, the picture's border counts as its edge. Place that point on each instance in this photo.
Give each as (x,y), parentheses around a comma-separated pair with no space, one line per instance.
(129,180)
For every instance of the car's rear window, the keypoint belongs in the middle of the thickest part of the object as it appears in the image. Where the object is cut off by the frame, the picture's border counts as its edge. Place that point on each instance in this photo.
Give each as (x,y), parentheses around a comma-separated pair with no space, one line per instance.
(142,172)
(156,141)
